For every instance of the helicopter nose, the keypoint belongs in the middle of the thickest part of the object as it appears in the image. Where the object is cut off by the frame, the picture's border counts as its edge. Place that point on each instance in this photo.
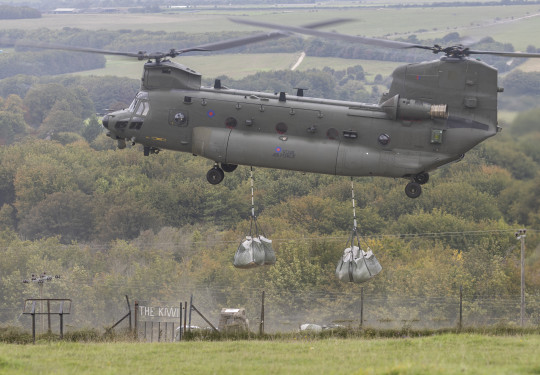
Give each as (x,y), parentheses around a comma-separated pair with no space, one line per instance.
(105,121)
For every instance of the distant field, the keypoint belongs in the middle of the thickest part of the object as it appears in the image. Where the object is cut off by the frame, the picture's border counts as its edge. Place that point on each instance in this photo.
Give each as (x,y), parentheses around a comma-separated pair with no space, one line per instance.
(445,354)
(514,24)
(531,65)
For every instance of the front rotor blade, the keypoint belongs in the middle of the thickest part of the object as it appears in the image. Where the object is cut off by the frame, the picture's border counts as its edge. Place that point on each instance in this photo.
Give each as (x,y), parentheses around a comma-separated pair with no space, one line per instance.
(22,43)
(325,34)
(242,41)
(504,54)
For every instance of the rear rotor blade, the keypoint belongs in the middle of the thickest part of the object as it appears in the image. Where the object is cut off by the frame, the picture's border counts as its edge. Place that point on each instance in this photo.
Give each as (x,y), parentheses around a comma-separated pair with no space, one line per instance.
(331,35)
(242,41)
(453,51)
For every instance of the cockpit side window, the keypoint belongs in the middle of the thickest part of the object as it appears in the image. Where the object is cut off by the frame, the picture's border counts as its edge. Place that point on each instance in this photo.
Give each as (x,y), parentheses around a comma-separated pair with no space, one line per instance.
(142,108)
(132,105)
(140,104)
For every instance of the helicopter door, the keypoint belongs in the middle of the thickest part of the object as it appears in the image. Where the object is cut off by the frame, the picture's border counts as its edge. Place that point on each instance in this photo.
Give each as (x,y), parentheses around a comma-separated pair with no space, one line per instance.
(179,121)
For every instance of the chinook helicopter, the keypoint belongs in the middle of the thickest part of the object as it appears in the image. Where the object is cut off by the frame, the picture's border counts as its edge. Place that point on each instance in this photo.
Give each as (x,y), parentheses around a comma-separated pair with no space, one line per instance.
(432,115)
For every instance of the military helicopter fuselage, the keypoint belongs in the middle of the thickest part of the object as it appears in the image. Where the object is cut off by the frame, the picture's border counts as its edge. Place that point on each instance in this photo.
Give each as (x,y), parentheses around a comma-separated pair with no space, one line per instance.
(433,114)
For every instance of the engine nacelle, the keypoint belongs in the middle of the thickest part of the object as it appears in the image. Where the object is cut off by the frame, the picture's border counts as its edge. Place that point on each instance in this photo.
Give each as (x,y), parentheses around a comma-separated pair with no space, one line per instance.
(410,109)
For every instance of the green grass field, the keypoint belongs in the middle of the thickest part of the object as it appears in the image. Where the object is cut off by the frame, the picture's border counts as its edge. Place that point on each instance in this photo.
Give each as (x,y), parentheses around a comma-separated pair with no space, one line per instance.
(444,354)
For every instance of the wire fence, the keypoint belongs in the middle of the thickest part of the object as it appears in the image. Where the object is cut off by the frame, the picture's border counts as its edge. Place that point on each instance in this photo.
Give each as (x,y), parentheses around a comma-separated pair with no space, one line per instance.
(286,313)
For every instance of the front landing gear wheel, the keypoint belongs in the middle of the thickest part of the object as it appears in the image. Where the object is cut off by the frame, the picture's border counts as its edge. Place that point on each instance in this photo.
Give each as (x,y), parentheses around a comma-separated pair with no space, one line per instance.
(215,175)
(421,178)
(413,189)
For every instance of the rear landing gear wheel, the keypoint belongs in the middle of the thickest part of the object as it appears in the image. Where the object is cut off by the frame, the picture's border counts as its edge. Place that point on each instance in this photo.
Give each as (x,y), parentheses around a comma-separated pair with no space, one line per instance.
(228,167)
(413,189)
(421,178)
(215,175)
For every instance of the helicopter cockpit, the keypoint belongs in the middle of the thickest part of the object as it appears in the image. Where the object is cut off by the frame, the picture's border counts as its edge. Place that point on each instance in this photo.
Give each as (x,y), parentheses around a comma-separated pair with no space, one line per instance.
(125,123)
(139,109)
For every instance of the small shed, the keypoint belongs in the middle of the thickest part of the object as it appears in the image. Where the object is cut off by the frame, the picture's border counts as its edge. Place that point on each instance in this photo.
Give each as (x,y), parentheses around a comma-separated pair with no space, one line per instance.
(233,320)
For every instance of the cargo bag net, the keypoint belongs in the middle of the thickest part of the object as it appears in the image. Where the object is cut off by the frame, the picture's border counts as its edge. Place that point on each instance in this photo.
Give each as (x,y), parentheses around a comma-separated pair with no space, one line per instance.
(255,250)
(357,265)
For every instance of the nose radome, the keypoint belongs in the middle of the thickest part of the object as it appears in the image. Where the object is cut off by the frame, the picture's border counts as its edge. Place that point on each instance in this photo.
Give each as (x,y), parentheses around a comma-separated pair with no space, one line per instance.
(105,121)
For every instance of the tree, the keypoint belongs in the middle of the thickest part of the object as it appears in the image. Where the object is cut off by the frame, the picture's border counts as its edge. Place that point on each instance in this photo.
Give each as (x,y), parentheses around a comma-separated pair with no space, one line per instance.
(39,177)
(39,101)
(66,214)
(61,119)
(44,98)
(12,122)
(126,218)
(91,129)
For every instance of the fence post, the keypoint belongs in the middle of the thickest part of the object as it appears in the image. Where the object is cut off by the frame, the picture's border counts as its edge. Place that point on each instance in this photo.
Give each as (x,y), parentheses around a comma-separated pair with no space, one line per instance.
(261,326)
(34,321)
(61,313)
(49,316)
(129,309)
(361,307)
(180,325)
(185,315)
(190,309)
(136,320)
(460,307)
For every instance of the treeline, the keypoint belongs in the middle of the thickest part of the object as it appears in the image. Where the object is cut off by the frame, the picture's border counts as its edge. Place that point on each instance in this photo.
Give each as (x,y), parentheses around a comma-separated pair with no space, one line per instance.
(99,93)
(8,12)
(48,63)
(521,90)
(348,84)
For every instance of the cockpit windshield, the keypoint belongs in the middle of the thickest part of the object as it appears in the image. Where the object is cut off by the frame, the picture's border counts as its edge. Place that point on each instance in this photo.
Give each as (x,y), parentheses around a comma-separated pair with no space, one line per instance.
(140,104)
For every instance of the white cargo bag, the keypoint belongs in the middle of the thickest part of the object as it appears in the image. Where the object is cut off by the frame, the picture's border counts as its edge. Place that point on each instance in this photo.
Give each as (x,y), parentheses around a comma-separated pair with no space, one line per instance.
(357,266)
(249,254)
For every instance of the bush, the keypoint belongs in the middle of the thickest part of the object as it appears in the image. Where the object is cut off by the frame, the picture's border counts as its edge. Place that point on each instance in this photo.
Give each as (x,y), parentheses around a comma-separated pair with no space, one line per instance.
(14,335)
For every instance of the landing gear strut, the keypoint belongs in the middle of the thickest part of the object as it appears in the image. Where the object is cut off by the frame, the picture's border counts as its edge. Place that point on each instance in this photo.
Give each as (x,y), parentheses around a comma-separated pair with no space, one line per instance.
(413,188)
(421,178)
(228,167)
(215,175)
(147,150)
